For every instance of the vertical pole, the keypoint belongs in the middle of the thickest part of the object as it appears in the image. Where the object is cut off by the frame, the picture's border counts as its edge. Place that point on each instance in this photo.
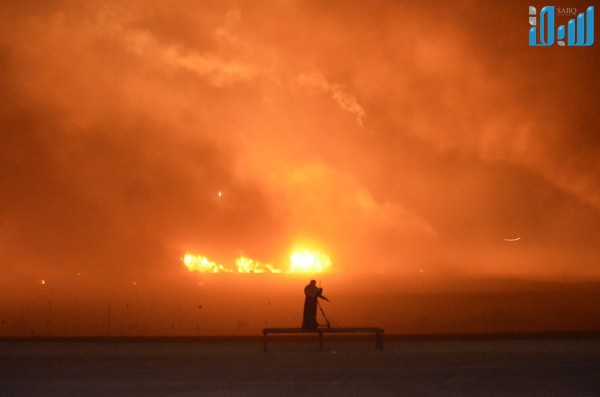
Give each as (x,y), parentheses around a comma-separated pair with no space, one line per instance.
(320,339)
(265,340)
(50,316)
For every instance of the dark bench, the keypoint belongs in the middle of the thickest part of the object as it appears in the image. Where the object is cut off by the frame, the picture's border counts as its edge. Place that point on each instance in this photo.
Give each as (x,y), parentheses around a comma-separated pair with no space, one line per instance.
(355,330)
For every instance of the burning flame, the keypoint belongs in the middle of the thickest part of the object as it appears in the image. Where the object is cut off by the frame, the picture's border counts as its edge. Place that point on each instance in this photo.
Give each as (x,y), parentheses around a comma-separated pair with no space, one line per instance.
(300,262)
(202,264)
(309,262)
(247,265)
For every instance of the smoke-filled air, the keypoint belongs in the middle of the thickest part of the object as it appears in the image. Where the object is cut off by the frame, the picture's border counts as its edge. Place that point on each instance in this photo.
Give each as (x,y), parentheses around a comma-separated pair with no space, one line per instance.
(186,168)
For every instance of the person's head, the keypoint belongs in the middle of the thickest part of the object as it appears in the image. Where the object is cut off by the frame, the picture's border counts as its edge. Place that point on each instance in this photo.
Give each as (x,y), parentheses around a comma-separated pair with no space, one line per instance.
(313,282)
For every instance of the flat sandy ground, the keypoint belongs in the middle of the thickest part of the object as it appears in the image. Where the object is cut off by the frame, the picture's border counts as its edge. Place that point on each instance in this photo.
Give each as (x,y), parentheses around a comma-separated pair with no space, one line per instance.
(566,367)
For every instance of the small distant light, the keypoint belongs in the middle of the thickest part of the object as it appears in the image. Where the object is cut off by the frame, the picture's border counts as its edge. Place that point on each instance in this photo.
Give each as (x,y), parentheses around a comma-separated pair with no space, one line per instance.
(420,270)
(512,239)
(134,283)
(42,282)
(220,194)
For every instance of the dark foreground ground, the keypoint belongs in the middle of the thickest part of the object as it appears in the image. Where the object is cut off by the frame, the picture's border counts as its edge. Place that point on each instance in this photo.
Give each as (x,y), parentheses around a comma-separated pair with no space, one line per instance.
(540,367)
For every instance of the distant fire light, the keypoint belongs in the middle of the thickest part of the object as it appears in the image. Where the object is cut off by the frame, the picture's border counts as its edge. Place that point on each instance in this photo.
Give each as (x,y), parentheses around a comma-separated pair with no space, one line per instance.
(300,262)
(309,262)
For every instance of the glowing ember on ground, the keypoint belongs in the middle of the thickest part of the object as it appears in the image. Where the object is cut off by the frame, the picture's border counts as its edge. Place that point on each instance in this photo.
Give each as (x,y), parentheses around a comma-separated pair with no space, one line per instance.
(300,262)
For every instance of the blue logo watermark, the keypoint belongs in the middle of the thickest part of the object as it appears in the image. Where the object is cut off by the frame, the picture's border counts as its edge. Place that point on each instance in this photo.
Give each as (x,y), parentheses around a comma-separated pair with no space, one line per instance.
(578,33)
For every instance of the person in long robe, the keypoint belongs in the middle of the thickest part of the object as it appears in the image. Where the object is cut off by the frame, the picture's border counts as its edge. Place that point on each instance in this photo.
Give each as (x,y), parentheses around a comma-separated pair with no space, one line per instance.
(311,294)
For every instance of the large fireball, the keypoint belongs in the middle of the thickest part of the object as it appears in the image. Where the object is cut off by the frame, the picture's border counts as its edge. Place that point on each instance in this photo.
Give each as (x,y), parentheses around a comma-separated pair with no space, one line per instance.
(309,262)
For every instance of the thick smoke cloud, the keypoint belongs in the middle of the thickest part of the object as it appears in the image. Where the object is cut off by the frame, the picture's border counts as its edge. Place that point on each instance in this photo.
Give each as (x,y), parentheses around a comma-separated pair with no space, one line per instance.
(399,137)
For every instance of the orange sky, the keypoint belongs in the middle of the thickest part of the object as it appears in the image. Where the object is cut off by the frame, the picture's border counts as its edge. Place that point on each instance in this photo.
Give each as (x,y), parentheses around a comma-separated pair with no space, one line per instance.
(397,137)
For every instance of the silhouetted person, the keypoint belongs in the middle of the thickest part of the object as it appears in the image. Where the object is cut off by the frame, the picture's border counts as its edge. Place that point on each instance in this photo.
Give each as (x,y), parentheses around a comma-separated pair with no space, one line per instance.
(312,293)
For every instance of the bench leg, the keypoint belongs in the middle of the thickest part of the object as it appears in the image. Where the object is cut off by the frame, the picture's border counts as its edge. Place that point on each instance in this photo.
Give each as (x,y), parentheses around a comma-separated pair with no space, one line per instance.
(380,341)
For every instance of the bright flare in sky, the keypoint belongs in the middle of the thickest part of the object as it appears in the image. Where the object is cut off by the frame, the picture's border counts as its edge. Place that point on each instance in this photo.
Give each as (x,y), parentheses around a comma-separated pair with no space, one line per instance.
(512,239)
